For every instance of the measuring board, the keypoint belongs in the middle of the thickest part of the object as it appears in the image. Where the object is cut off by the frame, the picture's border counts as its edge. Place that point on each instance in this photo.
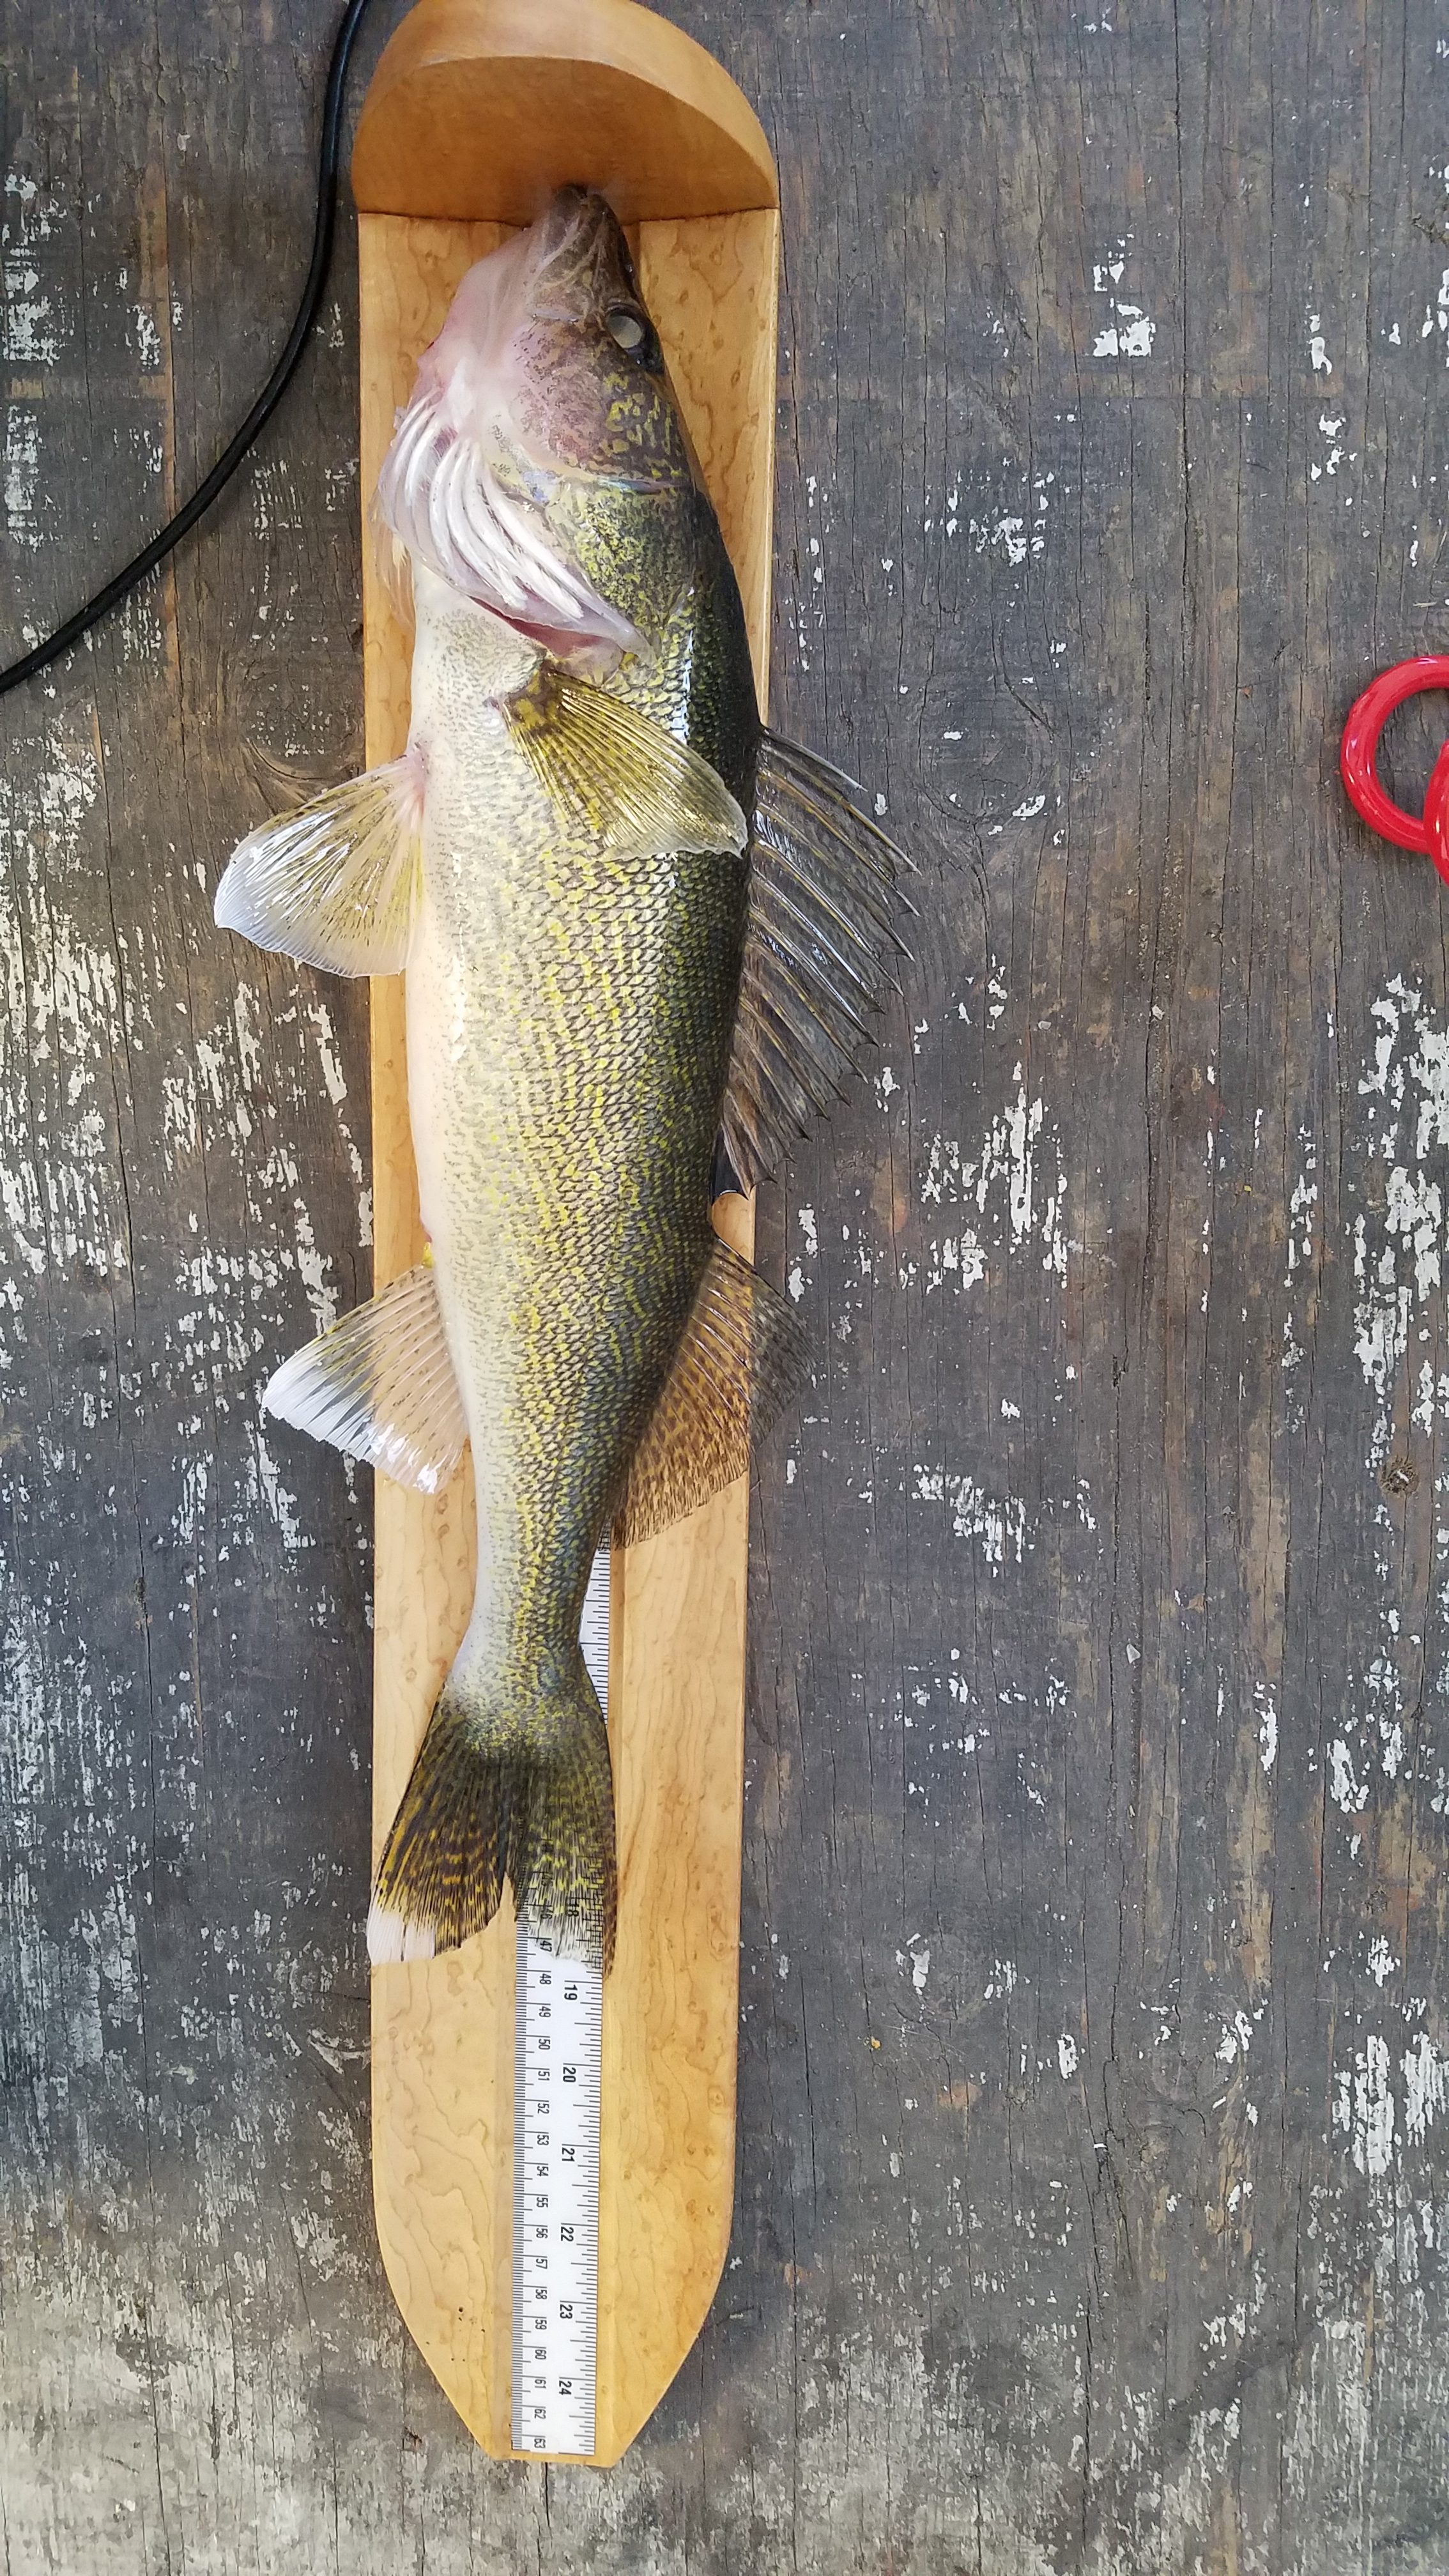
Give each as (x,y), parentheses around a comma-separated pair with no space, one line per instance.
(477,109)
(556,2158)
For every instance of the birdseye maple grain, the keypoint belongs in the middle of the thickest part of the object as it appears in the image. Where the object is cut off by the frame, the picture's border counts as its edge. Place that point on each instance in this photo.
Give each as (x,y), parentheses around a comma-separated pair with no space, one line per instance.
(443,2029)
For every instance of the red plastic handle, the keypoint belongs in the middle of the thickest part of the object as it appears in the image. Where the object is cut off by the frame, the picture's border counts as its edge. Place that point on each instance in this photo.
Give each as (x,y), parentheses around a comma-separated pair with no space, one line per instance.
(1436,814)
(1429,832)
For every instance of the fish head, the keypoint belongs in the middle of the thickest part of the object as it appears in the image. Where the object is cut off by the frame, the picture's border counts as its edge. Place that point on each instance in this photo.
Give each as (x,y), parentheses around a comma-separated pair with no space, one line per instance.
(543,466)
(583,375)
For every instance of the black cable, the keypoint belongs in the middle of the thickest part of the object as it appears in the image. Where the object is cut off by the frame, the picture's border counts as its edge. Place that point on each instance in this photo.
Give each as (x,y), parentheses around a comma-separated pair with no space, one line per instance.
(159,546)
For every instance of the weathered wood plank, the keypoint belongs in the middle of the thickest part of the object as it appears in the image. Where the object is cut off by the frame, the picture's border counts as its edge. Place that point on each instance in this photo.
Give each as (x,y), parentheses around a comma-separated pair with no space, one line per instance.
(1093,2089)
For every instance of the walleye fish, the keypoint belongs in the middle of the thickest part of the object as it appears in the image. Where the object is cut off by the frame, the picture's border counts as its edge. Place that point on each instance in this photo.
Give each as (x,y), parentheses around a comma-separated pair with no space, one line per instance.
(642,938)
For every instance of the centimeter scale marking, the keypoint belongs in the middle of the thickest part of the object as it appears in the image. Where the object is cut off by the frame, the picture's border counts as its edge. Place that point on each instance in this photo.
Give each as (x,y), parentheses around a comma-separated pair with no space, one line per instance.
(556,2158)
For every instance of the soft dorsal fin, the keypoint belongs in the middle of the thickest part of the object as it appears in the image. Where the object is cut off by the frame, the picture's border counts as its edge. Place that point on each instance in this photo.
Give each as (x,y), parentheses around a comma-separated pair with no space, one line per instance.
(381,1386)
(824,890)
(614,772)
(741,1360)
(335,883)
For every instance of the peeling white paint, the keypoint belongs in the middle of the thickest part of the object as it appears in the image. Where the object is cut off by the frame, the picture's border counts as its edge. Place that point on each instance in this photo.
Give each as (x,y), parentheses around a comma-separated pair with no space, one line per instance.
(29,336)
(1367,2110)
(1349,1794)
(1436,315)
(1015,1179)
(1398,1266)
(20,481)
(997,1522)
(1236,2035)
(956,1260)
(62,1017)
(1426,2087)
(1364,2107)
(1302,1206)
(1008,532)
(1130,335)
(1130,331)
(1267,1727)
(33,329)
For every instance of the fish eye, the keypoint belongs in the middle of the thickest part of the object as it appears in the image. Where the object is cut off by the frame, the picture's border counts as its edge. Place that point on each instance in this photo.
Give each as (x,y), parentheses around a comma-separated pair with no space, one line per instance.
(630,332)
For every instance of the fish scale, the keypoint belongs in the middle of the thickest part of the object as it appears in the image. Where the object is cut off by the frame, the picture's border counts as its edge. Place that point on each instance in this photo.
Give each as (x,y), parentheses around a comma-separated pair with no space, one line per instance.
(566,1049)
(616,993)
(569,1022)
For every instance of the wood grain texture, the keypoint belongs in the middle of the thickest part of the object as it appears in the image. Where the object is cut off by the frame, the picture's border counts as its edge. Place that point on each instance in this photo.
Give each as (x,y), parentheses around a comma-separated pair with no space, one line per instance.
(443,2031)
(1120,2254)
(479,108)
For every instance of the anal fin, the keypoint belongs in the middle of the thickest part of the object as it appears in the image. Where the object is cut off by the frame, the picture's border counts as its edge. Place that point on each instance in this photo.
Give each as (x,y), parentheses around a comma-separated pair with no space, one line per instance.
(381,1386)
(740,1362)
(335,883)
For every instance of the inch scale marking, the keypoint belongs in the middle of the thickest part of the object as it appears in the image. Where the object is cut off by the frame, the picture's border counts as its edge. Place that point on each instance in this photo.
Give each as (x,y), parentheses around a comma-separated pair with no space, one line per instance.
(556,2158)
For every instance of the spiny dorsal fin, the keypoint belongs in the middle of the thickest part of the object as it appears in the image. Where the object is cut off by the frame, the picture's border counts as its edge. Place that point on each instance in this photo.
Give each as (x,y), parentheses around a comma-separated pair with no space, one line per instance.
(380,1385)
(335,883)
(824,890)
(612,770)
(739,1364)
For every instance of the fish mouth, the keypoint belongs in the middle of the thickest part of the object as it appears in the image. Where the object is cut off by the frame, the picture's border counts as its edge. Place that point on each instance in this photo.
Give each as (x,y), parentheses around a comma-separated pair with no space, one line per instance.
(579,248)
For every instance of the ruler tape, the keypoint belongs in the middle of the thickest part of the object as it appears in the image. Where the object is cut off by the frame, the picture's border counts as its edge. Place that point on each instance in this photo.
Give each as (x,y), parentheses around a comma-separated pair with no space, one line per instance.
(556,2158)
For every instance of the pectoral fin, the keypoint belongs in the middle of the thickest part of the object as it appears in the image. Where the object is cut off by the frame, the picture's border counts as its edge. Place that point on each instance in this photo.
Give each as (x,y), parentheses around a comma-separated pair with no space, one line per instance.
(335,883)
(616,773)
(380,1385)
(824,890)
(739,1364)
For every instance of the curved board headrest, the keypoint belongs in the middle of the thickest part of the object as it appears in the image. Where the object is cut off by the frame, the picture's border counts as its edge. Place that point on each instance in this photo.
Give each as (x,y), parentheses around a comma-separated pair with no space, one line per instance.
(478,109)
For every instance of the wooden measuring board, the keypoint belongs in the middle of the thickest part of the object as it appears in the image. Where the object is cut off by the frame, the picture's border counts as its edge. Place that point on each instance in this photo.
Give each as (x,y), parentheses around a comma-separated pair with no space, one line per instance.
(477,110)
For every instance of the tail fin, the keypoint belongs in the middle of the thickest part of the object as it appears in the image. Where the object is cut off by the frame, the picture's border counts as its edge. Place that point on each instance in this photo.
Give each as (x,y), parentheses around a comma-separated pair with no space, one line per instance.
(520,1791)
